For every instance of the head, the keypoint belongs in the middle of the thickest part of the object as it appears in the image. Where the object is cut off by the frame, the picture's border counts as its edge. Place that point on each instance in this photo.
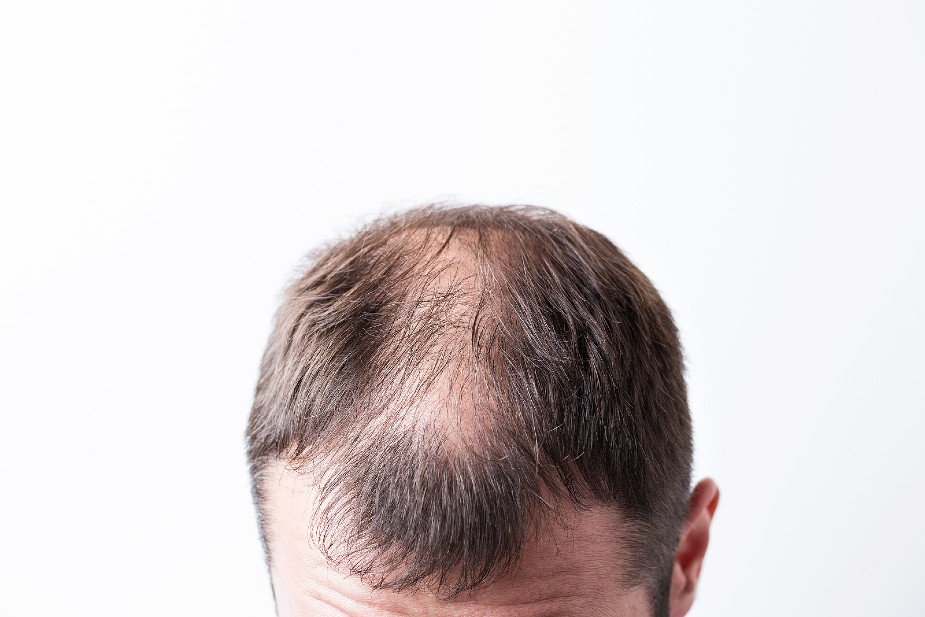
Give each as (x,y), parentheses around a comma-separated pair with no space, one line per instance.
(476,411)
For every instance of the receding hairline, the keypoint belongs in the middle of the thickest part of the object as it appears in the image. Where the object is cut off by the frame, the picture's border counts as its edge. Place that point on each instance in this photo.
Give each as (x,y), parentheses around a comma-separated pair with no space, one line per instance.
(577,534)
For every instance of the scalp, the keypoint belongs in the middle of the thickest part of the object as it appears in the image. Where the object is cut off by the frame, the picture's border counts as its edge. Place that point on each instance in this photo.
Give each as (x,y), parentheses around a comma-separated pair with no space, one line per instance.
(439,372)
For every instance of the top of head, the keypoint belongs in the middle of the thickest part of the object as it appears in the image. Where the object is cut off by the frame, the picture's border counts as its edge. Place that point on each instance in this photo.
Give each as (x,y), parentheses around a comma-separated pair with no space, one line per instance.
(446,375)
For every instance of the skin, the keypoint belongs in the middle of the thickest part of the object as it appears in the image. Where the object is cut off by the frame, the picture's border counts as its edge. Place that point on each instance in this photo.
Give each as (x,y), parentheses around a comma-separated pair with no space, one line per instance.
(572,568)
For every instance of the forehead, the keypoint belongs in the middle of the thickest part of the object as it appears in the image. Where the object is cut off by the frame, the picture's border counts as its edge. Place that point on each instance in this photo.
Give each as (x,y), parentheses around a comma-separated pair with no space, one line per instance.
(571,568)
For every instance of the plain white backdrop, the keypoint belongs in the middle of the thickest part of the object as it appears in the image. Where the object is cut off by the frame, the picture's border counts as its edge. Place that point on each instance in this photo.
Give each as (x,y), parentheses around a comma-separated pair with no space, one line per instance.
(165,165)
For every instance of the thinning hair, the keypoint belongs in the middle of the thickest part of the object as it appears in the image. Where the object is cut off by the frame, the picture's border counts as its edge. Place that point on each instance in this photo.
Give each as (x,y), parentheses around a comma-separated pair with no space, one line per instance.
(448,374)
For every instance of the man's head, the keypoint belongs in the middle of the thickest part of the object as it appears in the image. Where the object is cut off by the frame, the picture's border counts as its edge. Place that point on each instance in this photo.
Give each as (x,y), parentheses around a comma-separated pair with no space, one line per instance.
(479,411)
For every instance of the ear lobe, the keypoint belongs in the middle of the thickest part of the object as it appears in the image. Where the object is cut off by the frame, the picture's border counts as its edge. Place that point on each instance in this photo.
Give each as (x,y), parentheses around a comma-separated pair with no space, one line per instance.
(695,536)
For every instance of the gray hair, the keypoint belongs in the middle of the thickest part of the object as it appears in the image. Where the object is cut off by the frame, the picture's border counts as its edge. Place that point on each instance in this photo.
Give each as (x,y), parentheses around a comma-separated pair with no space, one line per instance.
(445,375)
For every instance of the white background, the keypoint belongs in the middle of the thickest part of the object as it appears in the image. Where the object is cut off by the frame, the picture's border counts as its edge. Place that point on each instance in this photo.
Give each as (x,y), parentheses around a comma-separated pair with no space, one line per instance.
(164,166)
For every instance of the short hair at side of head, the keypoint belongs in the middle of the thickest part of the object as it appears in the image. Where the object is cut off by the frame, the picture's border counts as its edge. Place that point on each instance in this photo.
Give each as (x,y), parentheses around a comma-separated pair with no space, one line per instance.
(438,372)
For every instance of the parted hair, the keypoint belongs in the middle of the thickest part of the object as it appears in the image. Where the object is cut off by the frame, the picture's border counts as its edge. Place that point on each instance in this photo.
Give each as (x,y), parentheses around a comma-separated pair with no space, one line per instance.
(445,376)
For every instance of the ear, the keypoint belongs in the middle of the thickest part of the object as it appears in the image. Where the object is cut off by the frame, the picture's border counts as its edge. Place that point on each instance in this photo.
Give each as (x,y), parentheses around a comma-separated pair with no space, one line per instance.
(692,547)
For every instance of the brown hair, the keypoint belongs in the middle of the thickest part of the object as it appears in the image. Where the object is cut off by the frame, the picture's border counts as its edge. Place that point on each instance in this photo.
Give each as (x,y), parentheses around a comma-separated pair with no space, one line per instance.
(439,371)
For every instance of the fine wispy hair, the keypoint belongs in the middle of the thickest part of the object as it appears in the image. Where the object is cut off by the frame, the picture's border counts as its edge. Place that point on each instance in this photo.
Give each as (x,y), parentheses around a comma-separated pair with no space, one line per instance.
(446,375)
